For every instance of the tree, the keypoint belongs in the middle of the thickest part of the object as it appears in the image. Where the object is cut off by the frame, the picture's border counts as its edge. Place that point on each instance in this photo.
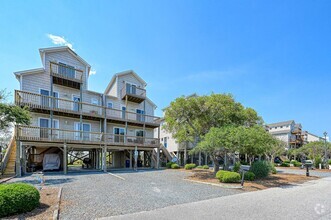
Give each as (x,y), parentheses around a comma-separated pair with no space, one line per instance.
(278,148)
(314,149)
(11,114)
(190,118)
(218,142)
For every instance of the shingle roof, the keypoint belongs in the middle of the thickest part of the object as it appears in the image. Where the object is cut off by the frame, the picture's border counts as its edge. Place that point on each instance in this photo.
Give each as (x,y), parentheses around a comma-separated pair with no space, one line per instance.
(281,123)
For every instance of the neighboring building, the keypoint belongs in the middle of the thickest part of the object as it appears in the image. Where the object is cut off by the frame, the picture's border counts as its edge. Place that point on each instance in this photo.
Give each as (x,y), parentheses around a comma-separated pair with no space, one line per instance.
(112,126)
(289,132)
(309,137)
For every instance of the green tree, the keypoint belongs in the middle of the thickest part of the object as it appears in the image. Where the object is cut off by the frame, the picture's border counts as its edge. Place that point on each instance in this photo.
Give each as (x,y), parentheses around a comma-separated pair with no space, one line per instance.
(315,149)
(11,114)
(277,148)
(190,118)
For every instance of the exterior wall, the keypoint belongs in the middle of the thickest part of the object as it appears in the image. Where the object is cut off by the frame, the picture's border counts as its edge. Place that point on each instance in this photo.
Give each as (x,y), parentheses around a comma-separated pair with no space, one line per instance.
(283,137)
(67,58)
(311,138)
(113,89)
(172,145)
(127,78)
(35,82)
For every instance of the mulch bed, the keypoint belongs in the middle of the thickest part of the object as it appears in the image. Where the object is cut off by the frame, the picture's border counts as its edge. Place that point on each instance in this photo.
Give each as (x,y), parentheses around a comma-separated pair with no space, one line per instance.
(274,180)
(48,202)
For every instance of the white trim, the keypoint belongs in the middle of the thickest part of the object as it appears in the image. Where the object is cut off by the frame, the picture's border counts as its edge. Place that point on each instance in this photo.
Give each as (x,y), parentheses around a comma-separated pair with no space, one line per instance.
(82,128)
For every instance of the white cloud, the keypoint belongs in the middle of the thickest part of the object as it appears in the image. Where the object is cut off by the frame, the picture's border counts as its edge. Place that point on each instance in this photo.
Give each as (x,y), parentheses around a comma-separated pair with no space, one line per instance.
(57,40)
(93,72)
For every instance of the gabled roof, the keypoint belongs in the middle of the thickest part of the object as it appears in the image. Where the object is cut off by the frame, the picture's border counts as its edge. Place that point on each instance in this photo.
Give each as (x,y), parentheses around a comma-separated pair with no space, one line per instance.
(64,48)
(281,123)
(112,81)
(28,72)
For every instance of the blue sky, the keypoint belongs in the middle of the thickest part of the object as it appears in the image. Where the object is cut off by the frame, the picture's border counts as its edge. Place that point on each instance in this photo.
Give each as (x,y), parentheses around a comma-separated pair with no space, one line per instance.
(272,56)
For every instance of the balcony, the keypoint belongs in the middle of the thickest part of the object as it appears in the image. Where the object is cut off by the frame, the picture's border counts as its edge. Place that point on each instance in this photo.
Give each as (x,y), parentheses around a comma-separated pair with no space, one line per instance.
(133,93)
(66,75)
(39,134)
(64,107)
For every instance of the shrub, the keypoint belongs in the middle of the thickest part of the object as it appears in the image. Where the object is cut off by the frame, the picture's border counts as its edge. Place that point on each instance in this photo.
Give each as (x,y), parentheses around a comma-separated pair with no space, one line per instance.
(286,161)
(175,166)
(317,161)
(295,163)
(285,164)
(169,164)
(261,169)
(206,167)
(190,166)
(273,170)
(329,162)
(219,174)
(250,176)
(199,167)
(236,167)
(18,198)
(231,177)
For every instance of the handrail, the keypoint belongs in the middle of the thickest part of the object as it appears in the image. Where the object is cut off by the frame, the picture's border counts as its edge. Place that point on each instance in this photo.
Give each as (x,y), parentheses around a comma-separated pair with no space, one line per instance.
(8,152)
(50,102)
(52,134)
(78,74)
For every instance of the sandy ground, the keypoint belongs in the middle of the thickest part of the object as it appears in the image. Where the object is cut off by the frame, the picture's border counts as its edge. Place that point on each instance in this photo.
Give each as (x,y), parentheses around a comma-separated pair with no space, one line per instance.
(275,180)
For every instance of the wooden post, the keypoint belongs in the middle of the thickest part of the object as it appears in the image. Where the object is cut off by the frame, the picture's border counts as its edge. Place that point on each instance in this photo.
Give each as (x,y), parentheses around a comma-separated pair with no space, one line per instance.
(158,158)
(23,160)
(18,159)
(130,159)
(52,103)
(104,155)
(65,160)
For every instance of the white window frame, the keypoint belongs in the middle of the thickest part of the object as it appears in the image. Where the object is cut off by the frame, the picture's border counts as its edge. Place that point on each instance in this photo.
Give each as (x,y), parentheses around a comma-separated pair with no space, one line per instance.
(86,123)
(112,105)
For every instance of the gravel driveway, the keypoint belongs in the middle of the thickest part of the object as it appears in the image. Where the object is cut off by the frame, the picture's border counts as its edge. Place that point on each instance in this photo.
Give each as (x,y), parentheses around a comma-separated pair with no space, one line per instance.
(93,195)
(303,172)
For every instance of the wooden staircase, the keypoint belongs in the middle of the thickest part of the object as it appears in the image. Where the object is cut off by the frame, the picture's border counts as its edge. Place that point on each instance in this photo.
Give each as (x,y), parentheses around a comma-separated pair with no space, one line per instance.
(10,159)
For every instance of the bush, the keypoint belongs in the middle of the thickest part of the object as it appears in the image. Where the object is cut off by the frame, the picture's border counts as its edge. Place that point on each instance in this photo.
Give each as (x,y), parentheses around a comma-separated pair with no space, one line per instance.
(199,167)
(261,169)
(169,164)
(219,174)
(250,176)
(190,166)
(285,164)
(17,198)
(273,170)
(295,163)
(236,167)
(329,162)
(230,177)
(175,166)
(317,161)
(206,167)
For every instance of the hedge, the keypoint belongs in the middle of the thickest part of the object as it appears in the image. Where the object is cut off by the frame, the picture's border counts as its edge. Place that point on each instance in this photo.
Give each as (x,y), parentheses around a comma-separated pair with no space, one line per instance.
(285,164)
(220,174)
(169,164)
(18,198)
(261,169)
(199,167)
(190,166)
(230,177)
(250,176)
(205,167)
(175,166)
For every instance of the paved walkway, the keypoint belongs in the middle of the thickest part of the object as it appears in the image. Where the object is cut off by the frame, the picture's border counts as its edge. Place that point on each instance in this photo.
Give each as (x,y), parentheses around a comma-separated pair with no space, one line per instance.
(311,200)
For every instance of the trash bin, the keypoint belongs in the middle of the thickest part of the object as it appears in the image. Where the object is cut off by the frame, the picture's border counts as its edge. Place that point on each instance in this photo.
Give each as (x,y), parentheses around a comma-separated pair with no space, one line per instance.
(127,163)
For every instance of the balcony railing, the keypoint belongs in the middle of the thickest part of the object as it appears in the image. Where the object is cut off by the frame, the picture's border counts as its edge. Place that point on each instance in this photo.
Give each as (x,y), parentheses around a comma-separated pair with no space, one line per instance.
(38,101)
(66,72)
(39,134)
(133,93)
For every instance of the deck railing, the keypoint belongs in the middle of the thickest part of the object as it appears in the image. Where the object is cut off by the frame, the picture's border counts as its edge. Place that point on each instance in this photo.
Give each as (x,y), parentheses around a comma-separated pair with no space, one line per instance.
(133,90)
(38,101)
(66,72)
(31,133)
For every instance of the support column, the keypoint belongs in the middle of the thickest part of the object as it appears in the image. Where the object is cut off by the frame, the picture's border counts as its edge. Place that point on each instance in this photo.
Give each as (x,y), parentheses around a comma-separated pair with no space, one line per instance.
(158,158)
(130,159)
(135,158)
(200,158)
(18,159)
(104,160)
(65,159)
(23,160)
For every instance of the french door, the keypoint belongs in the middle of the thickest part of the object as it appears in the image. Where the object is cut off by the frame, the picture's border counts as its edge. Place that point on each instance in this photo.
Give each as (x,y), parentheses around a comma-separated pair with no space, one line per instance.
(119,135)
(45,100)
(131,88)
(140,115)
(44,127)
(140,136)
(86,135)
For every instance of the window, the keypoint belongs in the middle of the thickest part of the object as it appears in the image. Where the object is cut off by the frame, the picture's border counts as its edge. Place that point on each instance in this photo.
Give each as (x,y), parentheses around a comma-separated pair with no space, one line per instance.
(119,135)
(131,88)
(76,100)
(109,105)
(66,70)
(165,142)
(86,131)
(281,126)
(140,115)
(45,101)
(95,101)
